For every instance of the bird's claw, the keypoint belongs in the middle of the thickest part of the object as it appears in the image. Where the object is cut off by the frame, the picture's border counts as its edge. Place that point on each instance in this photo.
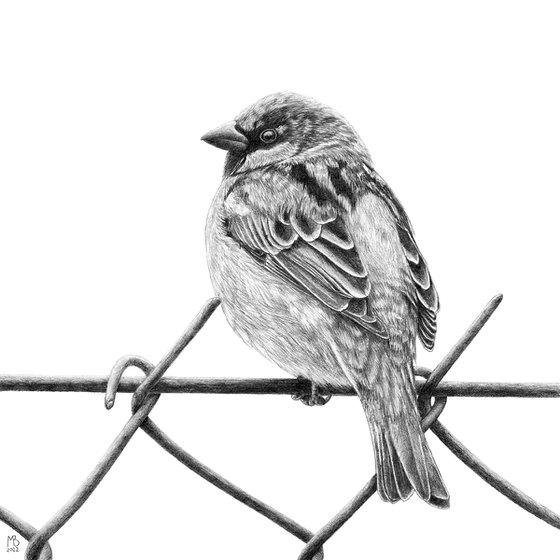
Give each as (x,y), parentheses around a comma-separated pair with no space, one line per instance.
(312,397)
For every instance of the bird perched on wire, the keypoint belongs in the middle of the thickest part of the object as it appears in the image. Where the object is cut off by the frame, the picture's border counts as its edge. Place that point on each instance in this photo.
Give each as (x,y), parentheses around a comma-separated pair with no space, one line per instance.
(317,268)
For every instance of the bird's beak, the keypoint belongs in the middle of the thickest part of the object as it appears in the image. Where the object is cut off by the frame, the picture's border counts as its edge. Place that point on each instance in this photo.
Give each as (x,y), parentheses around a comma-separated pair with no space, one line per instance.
(227,137)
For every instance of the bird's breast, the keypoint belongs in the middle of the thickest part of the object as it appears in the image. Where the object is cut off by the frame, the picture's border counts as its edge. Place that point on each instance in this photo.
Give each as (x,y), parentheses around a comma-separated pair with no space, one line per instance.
(282,322)
(290,326)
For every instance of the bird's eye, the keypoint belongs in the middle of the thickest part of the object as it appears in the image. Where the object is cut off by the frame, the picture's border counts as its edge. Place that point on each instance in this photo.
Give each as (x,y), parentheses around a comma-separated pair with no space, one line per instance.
(268,136)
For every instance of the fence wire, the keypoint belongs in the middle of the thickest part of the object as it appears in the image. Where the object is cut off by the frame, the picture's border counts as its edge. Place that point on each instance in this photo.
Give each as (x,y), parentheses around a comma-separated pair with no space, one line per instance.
(433,394)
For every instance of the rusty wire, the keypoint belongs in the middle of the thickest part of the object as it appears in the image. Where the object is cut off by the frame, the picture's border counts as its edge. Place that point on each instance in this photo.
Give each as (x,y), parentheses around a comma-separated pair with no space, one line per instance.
(432,399)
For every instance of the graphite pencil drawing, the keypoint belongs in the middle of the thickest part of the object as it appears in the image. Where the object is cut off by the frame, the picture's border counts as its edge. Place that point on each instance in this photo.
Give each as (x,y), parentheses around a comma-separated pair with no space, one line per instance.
(316,265)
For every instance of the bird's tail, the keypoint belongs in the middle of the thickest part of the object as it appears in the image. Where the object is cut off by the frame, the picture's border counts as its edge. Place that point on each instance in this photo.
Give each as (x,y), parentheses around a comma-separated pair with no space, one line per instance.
(404,462)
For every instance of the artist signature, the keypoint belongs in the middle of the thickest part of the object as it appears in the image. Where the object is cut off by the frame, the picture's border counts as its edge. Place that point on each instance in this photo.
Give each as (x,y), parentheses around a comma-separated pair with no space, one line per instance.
(12,544)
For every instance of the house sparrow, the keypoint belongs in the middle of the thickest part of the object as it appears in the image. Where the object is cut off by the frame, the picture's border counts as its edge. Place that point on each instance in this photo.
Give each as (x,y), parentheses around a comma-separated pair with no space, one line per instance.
(317,268)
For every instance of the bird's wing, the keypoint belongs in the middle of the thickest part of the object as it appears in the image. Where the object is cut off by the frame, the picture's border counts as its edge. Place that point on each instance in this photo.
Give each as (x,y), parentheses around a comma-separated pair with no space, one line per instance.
(426,293)
(428,301)
(314,253)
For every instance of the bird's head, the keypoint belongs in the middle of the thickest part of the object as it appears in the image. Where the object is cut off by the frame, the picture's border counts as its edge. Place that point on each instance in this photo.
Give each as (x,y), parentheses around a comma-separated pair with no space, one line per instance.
(284,126)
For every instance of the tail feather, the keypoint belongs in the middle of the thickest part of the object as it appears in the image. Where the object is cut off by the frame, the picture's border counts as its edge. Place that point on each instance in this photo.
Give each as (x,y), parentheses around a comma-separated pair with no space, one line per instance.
(439,495)
(409,449)
(404,464)
(385,481)
(394,470)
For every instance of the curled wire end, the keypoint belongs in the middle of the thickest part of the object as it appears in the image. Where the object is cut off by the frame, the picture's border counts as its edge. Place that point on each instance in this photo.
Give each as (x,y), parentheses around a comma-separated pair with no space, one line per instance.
(117,372)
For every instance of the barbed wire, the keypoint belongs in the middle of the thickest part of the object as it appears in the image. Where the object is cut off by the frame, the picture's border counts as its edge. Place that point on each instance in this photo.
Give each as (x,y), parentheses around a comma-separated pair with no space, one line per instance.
(433,394)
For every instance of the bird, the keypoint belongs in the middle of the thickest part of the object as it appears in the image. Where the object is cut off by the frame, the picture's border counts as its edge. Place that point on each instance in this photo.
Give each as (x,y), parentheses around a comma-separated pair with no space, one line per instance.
(317,268)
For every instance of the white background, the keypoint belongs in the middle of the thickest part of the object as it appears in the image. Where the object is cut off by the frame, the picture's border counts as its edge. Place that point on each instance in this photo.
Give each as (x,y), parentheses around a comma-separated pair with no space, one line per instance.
(104,189)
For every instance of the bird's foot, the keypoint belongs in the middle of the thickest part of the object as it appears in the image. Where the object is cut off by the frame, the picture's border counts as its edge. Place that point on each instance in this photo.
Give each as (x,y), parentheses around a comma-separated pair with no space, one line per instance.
(312,395)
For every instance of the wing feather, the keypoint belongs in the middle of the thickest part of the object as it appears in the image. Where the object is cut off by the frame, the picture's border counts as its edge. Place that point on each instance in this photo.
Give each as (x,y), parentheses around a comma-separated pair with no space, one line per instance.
(309,230)
(345,259)
(426,292)
(338,235)
(315,253)
(348,284)
(427,296)
(283,233)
